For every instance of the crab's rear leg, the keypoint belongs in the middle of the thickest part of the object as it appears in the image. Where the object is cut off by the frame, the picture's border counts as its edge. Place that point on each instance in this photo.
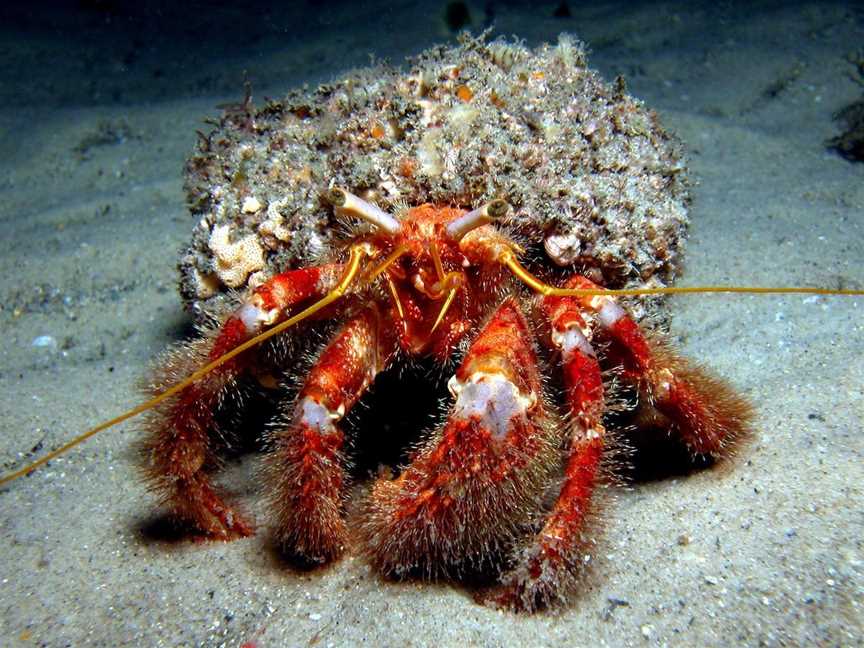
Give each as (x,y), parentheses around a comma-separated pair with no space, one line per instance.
(706,413)
(472,489)
(547,567)
(306,466)
(178,447)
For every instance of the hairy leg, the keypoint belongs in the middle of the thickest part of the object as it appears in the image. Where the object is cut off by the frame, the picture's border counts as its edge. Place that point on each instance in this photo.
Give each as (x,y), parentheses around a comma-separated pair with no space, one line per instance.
(306,467)
(178,448)
(549,565)
(705,412)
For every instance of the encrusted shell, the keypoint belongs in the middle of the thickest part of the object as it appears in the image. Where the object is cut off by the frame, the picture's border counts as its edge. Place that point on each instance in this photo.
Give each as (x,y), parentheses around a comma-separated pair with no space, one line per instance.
(594,180)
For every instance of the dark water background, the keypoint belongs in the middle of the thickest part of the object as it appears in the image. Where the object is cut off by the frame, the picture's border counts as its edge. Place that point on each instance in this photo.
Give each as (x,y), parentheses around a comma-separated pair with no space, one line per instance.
(99,104)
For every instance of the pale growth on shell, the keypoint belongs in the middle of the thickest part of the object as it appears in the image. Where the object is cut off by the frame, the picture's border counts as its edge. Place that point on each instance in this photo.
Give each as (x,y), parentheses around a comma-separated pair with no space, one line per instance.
(235,261)
(274,226)
(251,205)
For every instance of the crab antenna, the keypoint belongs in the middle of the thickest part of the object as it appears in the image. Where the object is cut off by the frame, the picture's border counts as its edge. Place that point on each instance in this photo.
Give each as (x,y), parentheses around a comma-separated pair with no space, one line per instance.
(347,204)
(508,259)
(353,265)
(491,211)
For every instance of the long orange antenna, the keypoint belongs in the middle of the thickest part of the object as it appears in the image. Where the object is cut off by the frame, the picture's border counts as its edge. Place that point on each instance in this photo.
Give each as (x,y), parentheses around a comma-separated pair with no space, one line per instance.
(508,259)
(353,265)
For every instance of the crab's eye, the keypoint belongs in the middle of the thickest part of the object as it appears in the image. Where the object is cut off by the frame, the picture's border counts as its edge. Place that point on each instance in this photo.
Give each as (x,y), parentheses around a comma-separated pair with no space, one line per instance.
(347,204)
(492,211)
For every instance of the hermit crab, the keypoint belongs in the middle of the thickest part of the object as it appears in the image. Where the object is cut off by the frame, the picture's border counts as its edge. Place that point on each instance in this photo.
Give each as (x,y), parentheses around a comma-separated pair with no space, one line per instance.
(490,212)
(429,282)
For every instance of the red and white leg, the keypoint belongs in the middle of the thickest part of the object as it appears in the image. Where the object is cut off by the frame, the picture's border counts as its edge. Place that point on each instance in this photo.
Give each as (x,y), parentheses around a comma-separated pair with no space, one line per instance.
(306,466)
(706,413)
(470,491)
(547,567)
(177,450)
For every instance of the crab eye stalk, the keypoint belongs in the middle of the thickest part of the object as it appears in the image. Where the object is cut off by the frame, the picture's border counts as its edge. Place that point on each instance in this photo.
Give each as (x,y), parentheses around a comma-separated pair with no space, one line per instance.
(492,211)
(347,204)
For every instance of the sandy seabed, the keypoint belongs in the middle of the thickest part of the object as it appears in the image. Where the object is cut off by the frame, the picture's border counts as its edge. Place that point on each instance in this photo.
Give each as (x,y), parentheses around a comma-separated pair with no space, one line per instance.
(97,116)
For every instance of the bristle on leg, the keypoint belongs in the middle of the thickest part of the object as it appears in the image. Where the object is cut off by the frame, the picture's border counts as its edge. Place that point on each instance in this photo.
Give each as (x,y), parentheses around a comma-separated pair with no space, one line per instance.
(707,413)
(177,450)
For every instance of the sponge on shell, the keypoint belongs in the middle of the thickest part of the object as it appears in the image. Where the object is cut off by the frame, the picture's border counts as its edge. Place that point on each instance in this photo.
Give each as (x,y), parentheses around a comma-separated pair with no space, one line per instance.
(234,262)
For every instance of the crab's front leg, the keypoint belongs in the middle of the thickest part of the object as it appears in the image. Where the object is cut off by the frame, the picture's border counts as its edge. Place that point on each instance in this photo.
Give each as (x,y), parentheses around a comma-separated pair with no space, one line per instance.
(177,449)
(306,467)
(471,490)
(703,410)
(547,567)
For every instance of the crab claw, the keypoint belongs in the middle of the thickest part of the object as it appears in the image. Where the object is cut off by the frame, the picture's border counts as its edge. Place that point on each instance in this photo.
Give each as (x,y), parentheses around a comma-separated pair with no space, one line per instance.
(470,491)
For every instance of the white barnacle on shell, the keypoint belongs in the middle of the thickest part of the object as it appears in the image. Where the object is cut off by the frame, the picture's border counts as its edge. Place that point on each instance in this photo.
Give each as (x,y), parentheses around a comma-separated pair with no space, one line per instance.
(564,248)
